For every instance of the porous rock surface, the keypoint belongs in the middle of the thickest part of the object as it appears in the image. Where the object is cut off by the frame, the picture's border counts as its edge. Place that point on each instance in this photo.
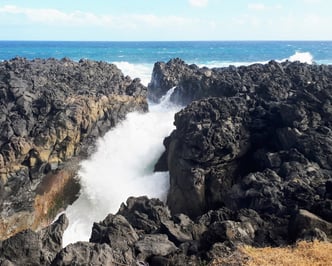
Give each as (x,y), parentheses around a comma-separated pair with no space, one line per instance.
(142,233)
(263,142)
(50,112)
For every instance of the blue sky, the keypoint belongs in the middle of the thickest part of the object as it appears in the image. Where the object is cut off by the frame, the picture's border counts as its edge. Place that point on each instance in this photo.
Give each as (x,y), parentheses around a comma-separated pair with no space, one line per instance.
(160,20)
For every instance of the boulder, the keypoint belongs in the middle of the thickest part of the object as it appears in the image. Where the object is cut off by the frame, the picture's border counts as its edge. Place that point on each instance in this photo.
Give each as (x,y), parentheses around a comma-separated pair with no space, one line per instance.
(154,245)
(85,253)
(115,231)
(145,214)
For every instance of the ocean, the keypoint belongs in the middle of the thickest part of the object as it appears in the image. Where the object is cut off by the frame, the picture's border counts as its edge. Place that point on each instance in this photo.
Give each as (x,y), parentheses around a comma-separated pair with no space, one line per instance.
(137,58)
(122,165)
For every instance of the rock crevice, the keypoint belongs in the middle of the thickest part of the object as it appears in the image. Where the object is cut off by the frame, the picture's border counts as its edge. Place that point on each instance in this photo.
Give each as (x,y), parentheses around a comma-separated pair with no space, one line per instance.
(249,162)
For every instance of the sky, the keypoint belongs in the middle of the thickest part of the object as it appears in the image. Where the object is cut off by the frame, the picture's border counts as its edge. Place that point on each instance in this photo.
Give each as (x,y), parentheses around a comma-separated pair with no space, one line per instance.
(165,20)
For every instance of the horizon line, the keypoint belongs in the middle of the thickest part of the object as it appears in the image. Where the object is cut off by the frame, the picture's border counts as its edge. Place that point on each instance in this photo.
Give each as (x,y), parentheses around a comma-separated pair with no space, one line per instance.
(258,40)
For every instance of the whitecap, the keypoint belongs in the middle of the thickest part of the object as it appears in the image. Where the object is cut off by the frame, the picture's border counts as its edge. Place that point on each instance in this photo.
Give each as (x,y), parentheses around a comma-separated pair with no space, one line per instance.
(303,57)
(143,71)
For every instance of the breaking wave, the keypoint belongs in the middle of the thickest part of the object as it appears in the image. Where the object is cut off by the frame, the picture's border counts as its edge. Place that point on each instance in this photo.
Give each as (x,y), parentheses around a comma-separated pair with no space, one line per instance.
(303,57)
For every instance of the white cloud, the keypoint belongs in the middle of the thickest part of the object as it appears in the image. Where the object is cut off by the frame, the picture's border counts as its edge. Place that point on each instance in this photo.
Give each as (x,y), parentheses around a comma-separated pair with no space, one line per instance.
(57,24)
(199,3)
(50,16)
(78,18)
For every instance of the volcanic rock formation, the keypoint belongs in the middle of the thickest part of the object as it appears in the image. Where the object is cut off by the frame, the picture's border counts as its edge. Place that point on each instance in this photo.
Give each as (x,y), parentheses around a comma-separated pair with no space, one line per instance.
(250,165)
(52,111)
(263,142)
(142,233)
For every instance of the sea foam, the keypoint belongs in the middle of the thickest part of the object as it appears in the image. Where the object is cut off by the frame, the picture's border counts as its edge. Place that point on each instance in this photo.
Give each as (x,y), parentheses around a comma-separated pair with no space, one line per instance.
(142,71)
(303,57)
(121,167)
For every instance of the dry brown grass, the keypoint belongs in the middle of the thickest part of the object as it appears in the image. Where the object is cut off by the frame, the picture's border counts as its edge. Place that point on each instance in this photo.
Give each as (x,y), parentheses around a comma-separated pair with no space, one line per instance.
(303,254)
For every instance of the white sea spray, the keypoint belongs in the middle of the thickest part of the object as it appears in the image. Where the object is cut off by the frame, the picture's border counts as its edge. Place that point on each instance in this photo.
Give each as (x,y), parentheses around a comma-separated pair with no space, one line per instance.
(121,167)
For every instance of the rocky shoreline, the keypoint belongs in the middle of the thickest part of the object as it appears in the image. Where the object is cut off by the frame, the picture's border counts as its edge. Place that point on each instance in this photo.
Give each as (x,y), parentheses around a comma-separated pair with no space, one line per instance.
(250,160)
(52,111)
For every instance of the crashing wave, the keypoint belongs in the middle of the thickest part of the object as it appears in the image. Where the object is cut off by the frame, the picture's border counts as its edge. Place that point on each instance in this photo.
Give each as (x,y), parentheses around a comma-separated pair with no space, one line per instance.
(303,57)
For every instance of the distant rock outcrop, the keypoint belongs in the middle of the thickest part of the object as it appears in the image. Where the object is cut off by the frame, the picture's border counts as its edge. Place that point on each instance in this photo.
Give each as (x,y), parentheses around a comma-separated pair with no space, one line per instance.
(50,112)
(263,142)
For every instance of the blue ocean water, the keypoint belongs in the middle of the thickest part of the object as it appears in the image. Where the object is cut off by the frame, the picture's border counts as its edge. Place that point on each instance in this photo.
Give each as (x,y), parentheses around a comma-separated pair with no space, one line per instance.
(149,52)
(137,58)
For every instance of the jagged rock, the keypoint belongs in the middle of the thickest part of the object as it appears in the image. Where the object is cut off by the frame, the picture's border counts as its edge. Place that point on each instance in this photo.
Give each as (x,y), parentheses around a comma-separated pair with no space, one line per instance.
(258,191)
(115,231)
(85,253)
(52,111)
(273,81)
(154,245)
(230,231)
(262,142)
(145,214)
(243,165)
(159,82)
(34,248)
(235,227)
(177,239)
(178,232)
(152,216)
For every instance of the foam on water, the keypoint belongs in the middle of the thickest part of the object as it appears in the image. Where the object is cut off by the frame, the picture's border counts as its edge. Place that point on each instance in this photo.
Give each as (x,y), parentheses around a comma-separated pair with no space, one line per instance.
(303,57)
